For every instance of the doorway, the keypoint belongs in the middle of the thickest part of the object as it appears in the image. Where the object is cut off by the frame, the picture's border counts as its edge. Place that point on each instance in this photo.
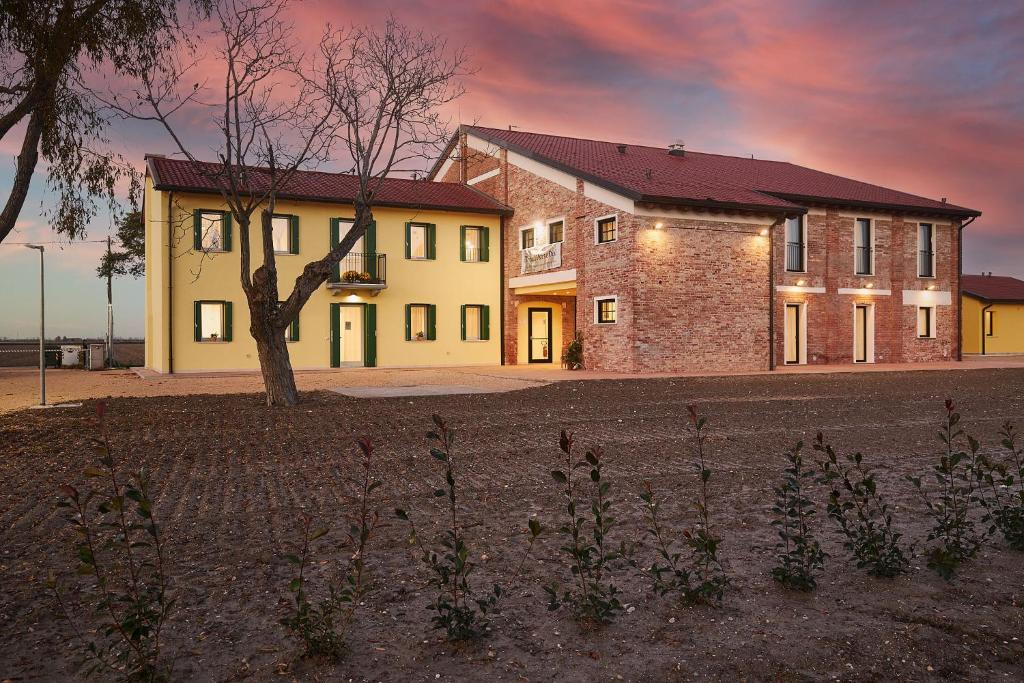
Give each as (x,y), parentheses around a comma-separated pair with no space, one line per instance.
(538,335)
(863,329)
(794,335)
(353,335)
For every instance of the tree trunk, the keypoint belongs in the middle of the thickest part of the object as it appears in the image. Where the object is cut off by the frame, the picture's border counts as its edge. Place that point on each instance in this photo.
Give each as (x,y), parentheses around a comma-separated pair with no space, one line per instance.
(276,366)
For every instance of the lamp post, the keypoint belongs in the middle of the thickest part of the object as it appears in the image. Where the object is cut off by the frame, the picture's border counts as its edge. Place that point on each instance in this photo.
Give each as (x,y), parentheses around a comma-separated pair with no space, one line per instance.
(42,327)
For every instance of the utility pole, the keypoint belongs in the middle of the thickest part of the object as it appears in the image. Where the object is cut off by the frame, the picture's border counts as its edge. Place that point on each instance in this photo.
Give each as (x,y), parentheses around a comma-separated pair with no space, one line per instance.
(42,326)
(110,309)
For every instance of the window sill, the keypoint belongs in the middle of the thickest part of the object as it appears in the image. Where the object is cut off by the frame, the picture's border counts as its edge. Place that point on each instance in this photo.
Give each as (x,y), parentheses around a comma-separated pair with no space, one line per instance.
(605,322)
(420,341)
(796,272)
(599,242)
(476,341)
(420,258)
(214,251)
(213,341)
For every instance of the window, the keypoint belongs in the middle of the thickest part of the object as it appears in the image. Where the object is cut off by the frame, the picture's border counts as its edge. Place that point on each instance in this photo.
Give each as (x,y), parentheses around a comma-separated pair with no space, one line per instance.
(862,239)
(475,322)
(925,321)
(420,240)
(606,310)
(796,244)
(556,231)
(607,229)
(925,250)
(526,238)
(474,244)
(211,230)
(212,321)
(285,234)
(990,323)
(419,322)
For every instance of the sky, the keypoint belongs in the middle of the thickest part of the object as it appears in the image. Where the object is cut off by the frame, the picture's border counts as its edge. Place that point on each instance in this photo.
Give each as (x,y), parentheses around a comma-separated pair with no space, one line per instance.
(926,97)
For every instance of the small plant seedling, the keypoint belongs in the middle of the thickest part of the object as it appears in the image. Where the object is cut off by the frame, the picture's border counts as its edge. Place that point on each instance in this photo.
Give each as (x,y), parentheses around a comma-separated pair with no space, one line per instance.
(952,504)
(1004,489)
(800,557)
(863,515)
(460,612)
(121,556)
(702,578)
(591,596)
(322,626)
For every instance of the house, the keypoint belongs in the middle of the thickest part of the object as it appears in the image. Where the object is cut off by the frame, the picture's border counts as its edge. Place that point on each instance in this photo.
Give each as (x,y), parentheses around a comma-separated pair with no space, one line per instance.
(993,314)
(665,259)
(423,288)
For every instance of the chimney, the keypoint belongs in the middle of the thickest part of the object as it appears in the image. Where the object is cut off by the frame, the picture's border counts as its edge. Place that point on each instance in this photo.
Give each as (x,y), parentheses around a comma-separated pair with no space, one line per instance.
(677,149)
(943,200)
(622,149)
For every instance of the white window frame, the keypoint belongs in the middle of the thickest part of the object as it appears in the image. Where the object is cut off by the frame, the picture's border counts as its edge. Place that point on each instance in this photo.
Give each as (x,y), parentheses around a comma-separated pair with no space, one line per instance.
(425,227)
(597,308)
(220,231)
(785,241)
(203,337)
(873,231)
(547,225)
(597,229)
(917,263)
(479,230)
(288,233)
(801,352)
(479,323)
(932,322)
(524,229)
(869,343)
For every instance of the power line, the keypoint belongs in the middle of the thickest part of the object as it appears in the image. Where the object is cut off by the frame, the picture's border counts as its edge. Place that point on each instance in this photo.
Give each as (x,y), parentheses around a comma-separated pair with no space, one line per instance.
(66,244)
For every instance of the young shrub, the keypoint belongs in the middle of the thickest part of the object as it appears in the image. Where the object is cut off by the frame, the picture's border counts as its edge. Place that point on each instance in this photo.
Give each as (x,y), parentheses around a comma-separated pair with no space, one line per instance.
(121,558)
(572,359)
(1005,483)
(862,513)
(800,556)
(459,610)
(703,578)
(592,597)
(322,626)
(956,497)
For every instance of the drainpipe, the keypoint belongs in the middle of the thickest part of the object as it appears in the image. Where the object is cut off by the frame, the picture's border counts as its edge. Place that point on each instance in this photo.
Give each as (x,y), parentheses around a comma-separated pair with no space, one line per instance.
(771,291)
(501,286)
(983,330)
(960,293)
(170,285)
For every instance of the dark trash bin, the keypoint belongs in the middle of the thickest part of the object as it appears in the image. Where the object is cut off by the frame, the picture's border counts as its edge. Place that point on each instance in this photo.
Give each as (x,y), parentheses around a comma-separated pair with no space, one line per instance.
(52,358)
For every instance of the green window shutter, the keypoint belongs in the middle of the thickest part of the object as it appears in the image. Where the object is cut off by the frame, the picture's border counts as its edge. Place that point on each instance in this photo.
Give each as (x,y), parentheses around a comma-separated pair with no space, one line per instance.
(408,240)
(293,234)
(335,238)
(370,246)
(462,315)
(485,321)
(335,333)
(462,246)
(431,241)
(485,247)
(227,321)
(431,322)
(370,335)
(197,232)
(294,331)
(198,321)
(408,321)
(226,229)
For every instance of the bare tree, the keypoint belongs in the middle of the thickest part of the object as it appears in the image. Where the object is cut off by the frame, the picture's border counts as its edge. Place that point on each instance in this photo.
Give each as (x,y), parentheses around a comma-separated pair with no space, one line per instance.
(375,94)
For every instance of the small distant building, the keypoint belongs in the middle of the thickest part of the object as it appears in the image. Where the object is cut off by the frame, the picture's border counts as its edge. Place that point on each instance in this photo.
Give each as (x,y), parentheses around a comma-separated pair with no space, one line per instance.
(993,314)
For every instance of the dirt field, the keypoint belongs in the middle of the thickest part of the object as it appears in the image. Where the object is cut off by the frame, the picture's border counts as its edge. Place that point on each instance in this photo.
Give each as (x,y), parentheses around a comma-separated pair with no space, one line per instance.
(233,476)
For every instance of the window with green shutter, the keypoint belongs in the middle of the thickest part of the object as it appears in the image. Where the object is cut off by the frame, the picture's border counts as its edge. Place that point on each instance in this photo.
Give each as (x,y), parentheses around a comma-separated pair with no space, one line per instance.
(474,245)
(420,241)
(420,322)
(211,230)
(212,321)
(475,322)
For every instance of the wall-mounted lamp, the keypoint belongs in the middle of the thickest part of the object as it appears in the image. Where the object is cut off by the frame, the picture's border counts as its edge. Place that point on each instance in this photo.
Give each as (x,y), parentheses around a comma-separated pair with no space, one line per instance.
(869,285)
(764,232)
(931,288)
(801,283)
(659,226)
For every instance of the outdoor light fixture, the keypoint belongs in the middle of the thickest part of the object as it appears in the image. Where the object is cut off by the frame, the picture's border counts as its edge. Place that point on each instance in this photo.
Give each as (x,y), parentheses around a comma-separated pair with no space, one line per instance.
(869,285)
(801,283)
(764,232)
(659,226)
(931,287)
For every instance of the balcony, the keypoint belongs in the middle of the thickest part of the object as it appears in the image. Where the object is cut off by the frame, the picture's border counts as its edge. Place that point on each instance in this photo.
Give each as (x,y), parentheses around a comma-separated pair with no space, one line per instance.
(359,273)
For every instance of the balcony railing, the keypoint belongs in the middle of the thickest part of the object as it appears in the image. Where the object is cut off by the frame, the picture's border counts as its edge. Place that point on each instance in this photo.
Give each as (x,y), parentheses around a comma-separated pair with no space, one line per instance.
(360,271)
(795,256)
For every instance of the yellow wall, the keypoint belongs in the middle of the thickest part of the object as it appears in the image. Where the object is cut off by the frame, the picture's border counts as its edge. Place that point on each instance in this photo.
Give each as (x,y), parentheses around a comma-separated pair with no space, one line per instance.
(1007,328)
(446,282)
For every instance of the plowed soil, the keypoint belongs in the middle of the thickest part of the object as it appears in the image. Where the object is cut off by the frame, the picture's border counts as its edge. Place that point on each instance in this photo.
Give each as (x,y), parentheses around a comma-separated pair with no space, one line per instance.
(233,477)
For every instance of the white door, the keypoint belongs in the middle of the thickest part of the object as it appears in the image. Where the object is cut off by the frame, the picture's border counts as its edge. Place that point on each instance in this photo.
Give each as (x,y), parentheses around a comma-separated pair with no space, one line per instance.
(862,329)
(351,328)
(793,341)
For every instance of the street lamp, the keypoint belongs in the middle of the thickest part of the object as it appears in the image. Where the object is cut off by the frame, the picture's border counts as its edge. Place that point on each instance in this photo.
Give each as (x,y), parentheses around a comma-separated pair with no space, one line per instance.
(42,327)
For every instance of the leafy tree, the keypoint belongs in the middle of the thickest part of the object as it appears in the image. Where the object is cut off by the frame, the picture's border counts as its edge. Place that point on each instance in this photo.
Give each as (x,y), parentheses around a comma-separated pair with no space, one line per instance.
(131,259)
(51,52)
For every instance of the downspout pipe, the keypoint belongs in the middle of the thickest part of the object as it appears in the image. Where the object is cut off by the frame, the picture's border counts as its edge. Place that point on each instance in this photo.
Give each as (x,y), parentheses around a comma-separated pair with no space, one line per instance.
(960,291)
(771,291)
(501,288)
(170,284)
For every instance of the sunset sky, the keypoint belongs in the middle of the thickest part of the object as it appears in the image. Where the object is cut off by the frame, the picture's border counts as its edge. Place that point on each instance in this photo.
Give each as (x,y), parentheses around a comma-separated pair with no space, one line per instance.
(925,97)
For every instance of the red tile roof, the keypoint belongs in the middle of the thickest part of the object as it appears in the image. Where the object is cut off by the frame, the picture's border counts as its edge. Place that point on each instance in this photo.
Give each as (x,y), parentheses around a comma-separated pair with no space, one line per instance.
(651,174)
(182,175)
(993,287)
